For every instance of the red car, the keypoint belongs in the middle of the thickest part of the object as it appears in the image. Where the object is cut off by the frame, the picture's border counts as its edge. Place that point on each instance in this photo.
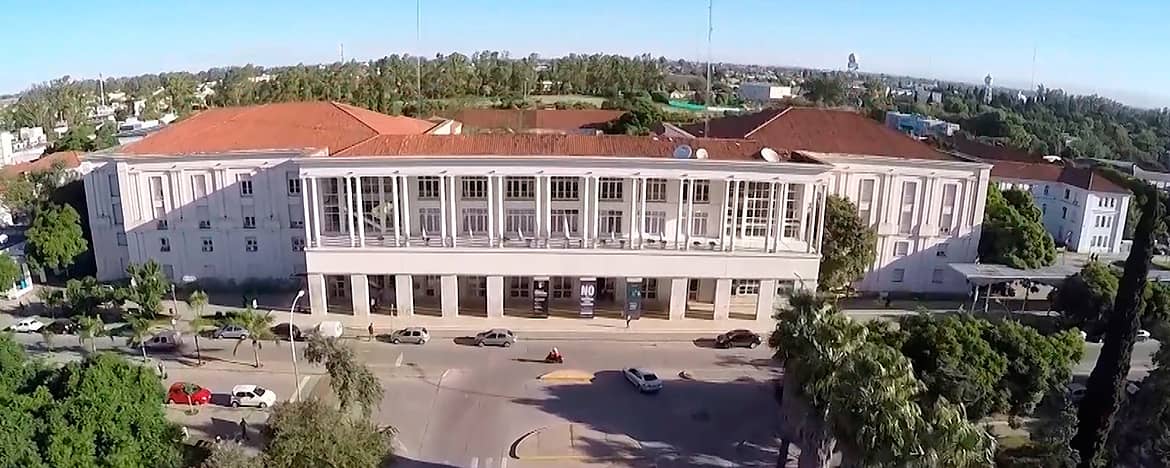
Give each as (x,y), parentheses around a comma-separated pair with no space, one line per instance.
(185,393)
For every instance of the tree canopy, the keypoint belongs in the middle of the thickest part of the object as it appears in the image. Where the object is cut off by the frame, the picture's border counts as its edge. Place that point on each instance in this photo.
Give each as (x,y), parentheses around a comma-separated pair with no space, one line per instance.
(296,438)
(351,380)
(147,286)
(54,238)
(10,271)
(849,246)
(1013,234)
(1086,298)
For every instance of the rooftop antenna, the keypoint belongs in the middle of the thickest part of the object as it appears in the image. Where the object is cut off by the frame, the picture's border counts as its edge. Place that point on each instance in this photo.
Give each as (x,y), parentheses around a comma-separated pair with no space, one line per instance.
(707,99)
(342,47)
(1034,67)
(987,88)
(102,88)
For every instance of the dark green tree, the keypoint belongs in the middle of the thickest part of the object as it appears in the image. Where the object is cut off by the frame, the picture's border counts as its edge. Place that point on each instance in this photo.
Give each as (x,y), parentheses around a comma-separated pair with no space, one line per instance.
(10,271)
(24,193)
(849,246)
(296,438)
(1086,298)
(54,238)
(351,380)
(824,90)
(147,286)
(1012,234)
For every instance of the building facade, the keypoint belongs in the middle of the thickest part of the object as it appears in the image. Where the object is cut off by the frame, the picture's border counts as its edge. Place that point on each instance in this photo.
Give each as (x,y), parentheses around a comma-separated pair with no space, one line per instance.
(764,92)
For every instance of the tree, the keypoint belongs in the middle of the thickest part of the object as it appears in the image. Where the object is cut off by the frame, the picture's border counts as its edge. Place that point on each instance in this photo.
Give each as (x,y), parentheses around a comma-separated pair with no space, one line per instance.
(824,90)
(100,412)
(231,456)
(84,296)
(90,328)
(10,271)
(1012,233)
(951,358)
(24,193)
(54,239)
(197,301)
(1142,434)
(147,286)
(352,381)
(1105,385)
(259,329)
(139,333)
(1086,297)
(849,245)
(296,438)
(47,338)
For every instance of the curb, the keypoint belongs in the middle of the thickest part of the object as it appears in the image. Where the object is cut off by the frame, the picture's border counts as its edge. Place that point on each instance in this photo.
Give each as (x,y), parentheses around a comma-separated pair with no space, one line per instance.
(512,452)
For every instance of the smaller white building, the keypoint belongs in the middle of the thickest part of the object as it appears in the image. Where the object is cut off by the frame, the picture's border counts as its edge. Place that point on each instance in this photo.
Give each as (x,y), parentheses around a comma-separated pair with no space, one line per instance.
(764,92)
(12,245)
(920,125)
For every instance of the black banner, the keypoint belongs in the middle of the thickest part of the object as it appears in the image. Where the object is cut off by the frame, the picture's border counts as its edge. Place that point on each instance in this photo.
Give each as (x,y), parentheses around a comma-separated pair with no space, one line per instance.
(540,297)
(588,294)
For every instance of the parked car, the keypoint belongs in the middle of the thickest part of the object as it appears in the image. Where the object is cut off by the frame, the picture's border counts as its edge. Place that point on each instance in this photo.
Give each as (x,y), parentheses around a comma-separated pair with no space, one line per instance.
(252,395)
(27,325)
(495,337)
(644,380)
(165,341)
(185,393)
(287,331)
(416,335)
(738,338)
(63,326)
(234,332)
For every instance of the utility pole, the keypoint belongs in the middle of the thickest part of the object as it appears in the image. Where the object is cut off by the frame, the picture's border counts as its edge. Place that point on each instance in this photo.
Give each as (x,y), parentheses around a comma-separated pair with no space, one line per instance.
(707,99)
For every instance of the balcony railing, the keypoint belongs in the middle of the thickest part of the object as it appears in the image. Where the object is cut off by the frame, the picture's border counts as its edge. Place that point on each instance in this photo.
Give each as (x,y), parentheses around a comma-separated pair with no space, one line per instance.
(513,241)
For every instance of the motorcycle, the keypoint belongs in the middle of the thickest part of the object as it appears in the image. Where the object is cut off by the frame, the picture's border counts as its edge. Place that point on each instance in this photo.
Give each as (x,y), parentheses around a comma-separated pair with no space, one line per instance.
(554,359)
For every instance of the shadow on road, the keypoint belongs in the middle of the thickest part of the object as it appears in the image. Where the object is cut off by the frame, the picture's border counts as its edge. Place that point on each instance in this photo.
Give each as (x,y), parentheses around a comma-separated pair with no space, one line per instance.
(705,343)
(221,399)
(534,361)
(692,419)
(402,461)
(465,341)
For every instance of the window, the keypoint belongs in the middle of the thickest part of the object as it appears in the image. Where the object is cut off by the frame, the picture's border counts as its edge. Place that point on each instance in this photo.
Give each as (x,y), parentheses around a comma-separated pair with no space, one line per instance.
(865,200)
(112,179)
(610,189)
(337,286)
(520,221)
(650,288)
(164,244)
(745,287)
(936,276)
(475,188)
(121,238)
(1067,192)
(1063,212)
(655,190)
(755,199)
(901,249)
(296,216)
(561,287)
(298,244)
(520,188)
(245,181)
(947,217)
(294,183)
(156,188)
(563,188)
(168,271)
(611,222)
(160,214)
(791,214)
(655,223)
(479,285)
(203,214)
(898,275)
(565,221)
(519,286)
(475,220)
(941,251)
(428,188)
(702,189)
(248,213)
(699,224)
(430,220)
(251,245)
(906,218)
(208,245)
(116,209)
(198,186)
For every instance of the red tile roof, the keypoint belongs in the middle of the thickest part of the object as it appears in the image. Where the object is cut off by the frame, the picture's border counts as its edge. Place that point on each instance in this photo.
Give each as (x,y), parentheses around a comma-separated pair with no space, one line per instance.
(989,152)
(1084,178)
(69,159)
(555,145)
(520,120)
(290,125)
(820,130)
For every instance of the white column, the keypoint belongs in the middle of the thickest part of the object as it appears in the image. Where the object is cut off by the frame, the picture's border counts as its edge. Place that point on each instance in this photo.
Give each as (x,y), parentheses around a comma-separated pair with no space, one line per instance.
(349,211)
(734,211)
(359,293)
(584,211)
(596,208)
(539,212)
(633,209)
(722,298)
(781,213)
(308,219)
(495,296)
(678,219)
(642,216)
(382,221)
(361,213)
(547,214)
(405,212)
(746,189)
(771,206)
(397,212)
(802,221)
(404,295)
(449,295)
(678,298)
(443,210)
(820,227)
(454,211)
(723,216)
(491,211)
(690,226)
(767,299)
(317,304)
(500,213)
(316,211)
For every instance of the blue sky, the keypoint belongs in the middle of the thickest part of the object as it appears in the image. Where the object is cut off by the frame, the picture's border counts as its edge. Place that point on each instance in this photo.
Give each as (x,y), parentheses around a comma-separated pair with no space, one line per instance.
(1111,48)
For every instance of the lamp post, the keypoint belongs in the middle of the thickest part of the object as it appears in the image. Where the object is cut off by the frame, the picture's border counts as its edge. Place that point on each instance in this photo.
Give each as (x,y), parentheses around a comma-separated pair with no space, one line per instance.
(292,342)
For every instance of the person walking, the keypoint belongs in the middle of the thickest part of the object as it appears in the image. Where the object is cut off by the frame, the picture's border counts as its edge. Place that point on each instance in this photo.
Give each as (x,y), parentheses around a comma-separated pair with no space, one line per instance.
(371,330)
(243,429)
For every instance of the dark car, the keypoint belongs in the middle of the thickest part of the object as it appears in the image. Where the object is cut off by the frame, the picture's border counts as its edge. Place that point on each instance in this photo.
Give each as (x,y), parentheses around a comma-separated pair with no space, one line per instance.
(62,327)
(282,331)
(738,338)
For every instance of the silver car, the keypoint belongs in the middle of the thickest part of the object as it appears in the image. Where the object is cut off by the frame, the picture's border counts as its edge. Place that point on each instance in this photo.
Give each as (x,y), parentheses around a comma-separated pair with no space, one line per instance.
(233,332)
(495,337)
(416,335)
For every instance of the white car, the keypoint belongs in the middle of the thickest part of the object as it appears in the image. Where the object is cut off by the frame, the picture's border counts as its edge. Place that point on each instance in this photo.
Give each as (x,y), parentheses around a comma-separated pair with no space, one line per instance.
(252,395)
(643,379)
(27,325)
(234,332)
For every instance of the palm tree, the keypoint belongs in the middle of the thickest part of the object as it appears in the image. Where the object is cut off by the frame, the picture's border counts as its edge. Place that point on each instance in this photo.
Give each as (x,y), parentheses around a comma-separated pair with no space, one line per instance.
(351,380)
(258,326)
(90,328)
(197,300)
(47,337)
(139,332)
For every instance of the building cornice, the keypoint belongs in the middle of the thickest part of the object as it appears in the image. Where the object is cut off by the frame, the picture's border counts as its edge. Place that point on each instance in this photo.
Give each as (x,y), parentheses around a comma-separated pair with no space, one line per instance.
(839,159)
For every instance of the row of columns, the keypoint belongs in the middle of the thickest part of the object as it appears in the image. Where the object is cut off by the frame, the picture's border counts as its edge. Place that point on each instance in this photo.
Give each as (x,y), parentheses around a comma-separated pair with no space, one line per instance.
(590,219)
(449,296)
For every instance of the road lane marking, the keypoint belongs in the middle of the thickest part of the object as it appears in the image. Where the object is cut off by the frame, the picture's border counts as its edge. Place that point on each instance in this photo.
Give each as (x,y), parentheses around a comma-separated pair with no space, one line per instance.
(300,388)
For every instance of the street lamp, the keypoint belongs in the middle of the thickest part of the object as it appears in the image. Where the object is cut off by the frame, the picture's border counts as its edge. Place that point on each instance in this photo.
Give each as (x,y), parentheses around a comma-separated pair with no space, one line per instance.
(292,342)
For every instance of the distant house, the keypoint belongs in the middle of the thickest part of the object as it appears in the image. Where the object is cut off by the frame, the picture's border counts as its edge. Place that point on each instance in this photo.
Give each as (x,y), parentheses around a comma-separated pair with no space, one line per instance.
(920,125)
(764,92)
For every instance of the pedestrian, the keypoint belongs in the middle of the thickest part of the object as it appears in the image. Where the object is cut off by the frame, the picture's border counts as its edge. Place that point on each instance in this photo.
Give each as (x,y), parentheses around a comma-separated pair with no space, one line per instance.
(218,439)
(185,433)
(243,429)
(162,371)
(371,329)
(628,318)
(886,297)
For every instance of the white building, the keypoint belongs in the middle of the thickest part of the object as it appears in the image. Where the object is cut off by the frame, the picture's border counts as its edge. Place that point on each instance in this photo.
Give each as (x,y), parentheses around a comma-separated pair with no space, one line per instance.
(927,206)
(763,92)
(920,125)
(405,218)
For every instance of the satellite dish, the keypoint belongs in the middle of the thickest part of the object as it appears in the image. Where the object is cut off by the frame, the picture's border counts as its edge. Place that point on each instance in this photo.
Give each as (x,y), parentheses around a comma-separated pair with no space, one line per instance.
(700,153)
(770,155)
(683,152)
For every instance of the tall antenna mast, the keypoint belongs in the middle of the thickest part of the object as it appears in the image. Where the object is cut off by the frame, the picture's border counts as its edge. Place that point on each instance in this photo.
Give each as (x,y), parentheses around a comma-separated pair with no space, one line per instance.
(102,88)
(418,51)
(342,47)
(1033,67)
(707,98)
